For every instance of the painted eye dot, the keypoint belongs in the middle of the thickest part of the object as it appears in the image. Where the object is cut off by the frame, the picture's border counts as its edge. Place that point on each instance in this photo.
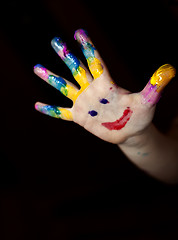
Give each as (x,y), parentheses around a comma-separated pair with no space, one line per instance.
(104,101)
(93,113)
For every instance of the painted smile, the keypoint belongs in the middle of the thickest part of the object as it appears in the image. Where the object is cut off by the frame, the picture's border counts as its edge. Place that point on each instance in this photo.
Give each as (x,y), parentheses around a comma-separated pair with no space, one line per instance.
(119,123)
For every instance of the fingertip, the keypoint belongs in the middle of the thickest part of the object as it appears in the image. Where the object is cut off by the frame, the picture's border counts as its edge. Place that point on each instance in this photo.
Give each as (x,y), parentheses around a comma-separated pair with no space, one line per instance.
(163,76)
(54,40)
(41,71)
(168,67)
(81,35)
(38,105)
(57,43)
(37,67)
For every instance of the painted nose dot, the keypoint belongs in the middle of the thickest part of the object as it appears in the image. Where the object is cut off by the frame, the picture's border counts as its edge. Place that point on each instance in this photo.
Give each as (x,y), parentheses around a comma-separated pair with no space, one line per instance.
(104,101)
(93,113)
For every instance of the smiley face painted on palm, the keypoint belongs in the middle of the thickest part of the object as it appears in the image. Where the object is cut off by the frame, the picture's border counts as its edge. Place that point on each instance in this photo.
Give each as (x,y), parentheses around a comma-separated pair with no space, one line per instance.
(117,124)
(99,105)
(81,75)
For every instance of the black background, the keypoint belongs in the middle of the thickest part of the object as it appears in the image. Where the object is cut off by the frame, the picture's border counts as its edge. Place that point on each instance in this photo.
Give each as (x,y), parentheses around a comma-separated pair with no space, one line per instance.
(58,181)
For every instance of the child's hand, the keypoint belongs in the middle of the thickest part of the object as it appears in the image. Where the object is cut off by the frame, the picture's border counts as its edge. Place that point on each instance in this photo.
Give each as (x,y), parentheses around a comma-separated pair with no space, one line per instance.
(106,110)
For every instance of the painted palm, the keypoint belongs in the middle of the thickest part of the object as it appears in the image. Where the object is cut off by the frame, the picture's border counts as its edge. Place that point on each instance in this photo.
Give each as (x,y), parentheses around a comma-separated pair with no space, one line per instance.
(100,106)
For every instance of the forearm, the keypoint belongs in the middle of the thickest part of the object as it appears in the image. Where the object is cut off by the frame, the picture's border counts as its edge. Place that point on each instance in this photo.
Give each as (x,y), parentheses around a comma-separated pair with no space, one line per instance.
(154,153)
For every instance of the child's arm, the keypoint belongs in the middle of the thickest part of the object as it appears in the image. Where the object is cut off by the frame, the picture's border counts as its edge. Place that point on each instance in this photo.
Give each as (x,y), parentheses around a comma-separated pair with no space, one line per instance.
(154,153)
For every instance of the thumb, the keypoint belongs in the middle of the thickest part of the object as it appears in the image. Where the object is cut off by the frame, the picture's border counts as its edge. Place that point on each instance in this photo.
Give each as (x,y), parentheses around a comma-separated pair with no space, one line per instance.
(152,91)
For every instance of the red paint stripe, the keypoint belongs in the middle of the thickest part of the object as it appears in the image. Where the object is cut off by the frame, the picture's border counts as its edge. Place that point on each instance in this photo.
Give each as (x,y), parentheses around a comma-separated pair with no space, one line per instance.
(119,123)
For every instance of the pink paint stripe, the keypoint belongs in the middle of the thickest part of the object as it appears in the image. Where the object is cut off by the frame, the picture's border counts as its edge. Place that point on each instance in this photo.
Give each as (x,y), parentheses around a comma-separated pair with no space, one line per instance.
(150,94)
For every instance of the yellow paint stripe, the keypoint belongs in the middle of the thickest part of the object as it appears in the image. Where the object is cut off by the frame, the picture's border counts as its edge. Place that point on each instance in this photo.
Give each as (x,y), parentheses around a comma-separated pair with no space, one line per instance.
(162,76)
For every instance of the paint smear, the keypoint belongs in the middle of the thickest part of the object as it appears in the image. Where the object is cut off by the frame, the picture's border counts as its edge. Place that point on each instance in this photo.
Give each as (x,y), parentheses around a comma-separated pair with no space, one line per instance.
(52,111)
(119,123)
(163,76)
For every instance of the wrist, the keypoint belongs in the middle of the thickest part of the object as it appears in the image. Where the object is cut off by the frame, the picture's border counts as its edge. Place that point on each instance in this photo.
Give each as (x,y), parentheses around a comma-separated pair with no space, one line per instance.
(139,140)
(154,153)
